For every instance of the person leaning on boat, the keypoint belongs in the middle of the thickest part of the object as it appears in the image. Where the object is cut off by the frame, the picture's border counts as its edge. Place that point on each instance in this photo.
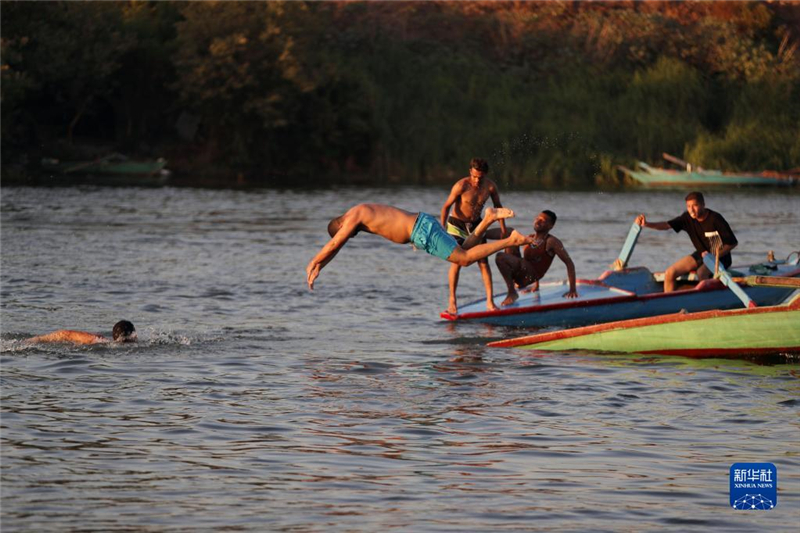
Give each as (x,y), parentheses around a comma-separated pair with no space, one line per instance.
(526,269)
(702,225)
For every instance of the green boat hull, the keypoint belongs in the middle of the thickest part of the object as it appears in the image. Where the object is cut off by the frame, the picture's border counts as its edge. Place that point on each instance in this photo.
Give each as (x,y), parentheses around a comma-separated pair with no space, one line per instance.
(659,177)
(735,332)
(113,168)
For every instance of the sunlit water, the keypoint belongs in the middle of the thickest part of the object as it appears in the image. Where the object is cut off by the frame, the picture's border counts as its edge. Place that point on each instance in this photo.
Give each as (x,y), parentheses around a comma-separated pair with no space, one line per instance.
(253,404)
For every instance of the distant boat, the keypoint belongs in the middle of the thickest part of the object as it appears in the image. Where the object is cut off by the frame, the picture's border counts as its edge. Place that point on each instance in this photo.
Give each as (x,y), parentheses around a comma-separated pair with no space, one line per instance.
(112,165)
(729,333)
(693,176)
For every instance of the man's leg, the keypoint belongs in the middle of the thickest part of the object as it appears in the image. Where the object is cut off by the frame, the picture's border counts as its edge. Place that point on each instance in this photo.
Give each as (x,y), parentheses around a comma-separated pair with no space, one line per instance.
(486,274)
(452,278)
(679,268)
(463,257)
(508,265)
(703,272)
(491,215)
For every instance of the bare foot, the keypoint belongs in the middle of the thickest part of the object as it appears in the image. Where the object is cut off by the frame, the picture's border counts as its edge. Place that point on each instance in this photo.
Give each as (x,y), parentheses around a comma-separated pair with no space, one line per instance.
(452,308)
(490,305)
(518,239)
(510,299)
(496,213)
(533,287)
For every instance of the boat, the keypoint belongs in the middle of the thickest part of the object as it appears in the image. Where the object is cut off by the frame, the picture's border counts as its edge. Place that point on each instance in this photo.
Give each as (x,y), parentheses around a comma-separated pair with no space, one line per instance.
(695,177)
(753,331)
(111,165)
(628,293)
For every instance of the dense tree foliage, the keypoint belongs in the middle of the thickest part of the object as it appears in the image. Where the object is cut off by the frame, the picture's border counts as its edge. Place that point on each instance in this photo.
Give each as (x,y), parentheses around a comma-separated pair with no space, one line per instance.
(552,93)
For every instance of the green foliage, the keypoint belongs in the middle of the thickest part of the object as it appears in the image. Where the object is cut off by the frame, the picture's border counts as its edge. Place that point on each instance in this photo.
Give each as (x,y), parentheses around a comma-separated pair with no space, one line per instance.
(552,93)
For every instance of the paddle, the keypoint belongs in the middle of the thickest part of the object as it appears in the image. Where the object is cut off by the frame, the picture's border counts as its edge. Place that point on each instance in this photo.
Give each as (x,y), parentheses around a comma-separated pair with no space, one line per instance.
(726,280)
(627,248)
(768,281)
(677,161)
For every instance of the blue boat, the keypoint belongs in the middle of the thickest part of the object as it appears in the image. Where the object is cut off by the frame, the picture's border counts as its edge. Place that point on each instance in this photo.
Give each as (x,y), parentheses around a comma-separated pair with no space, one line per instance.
(624,294)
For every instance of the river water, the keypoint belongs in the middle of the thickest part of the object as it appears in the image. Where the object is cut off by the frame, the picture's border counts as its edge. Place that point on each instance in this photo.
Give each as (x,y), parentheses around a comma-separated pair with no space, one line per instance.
(252,404)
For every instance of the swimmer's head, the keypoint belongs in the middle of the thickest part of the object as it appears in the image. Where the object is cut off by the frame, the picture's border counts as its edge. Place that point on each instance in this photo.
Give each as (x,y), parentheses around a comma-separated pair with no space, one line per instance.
(124,332)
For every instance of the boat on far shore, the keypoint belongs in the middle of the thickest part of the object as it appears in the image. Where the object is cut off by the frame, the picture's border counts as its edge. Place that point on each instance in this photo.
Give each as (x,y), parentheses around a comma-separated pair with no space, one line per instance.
(114,166)
(694,176)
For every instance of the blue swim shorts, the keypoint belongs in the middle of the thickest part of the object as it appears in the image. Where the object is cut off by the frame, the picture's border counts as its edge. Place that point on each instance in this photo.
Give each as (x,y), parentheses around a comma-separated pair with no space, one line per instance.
(430,236)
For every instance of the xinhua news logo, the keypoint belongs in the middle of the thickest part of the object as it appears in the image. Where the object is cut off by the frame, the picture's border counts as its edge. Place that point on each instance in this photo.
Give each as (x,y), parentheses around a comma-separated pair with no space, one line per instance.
(754,486)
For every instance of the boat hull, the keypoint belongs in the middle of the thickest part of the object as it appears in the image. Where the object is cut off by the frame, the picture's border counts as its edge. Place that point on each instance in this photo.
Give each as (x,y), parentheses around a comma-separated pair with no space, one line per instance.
(659,177)
(732,333)
(615,297)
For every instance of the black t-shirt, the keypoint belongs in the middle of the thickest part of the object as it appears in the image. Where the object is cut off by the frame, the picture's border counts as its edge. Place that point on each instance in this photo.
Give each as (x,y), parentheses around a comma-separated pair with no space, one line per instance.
(697,232)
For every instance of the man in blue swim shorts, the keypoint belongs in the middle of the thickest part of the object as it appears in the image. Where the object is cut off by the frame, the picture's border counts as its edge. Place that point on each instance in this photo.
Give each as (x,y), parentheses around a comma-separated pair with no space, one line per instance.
(421,229)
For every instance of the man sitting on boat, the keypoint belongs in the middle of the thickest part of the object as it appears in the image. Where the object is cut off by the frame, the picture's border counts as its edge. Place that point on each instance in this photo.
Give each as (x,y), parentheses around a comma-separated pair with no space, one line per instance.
(706,229)
(123,331)
(420,229)
(528,268)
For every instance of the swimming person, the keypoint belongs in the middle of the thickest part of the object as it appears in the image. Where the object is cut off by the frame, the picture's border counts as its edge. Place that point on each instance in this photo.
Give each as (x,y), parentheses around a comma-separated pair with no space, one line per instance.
(467,198)
(528,268)
(420,229)
(123,331)
(704,227)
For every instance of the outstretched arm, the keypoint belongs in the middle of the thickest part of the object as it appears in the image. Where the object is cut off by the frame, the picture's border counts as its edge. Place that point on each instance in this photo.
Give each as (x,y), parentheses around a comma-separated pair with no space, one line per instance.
(496,201)
(642,221)
(329,251)
(562,254)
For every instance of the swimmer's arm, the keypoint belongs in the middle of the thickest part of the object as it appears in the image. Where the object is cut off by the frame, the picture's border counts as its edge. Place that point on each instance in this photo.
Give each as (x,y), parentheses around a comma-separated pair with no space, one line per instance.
(67,335)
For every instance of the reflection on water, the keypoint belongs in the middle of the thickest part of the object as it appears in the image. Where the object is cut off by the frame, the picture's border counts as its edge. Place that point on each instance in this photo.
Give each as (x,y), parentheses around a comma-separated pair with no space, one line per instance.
(251,404)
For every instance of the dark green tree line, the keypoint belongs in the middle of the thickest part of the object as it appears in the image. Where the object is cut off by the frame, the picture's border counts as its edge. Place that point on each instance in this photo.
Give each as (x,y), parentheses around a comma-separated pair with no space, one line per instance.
(553,93)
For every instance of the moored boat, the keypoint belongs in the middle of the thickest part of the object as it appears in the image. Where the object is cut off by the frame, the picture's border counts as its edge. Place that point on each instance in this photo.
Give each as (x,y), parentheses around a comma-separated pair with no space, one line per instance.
(696,177)
(626,294)
(717,333)
(113,165)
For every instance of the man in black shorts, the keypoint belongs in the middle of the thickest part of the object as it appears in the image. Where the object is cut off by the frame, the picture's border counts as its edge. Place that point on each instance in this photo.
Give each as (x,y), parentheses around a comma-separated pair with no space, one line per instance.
(706,228)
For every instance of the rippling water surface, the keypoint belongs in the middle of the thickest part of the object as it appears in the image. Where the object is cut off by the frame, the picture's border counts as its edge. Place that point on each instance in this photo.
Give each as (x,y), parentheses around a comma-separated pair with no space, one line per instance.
(253,404)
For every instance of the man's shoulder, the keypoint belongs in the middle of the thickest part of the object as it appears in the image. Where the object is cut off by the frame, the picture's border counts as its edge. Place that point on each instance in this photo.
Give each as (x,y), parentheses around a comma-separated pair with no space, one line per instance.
(553,241)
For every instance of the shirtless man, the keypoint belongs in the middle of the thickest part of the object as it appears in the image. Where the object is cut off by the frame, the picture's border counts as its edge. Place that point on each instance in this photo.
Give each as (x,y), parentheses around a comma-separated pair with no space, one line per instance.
(123,332)
(536,259)
(702,225)
(467,198)
(420,229)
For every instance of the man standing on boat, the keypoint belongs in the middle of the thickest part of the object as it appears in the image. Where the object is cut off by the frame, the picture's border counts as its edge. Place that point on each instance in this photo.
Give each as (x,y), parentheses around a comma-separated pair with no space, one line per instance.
(527,269)
(706,229)
(467,198)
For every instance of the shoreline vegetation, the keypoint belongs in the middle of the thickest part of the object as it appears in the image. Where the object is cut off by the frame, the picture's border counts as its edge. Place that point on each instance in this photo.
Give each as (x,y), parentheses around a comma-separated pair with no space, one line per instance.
(552,94)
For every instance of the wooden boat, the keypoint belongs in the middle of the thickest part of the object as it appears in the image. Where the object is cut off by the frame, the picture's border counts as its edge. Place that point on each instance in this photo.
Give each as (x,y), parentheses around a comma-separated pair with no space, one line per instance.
(112,165)
(730,333)
(696,177)
(626,294)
